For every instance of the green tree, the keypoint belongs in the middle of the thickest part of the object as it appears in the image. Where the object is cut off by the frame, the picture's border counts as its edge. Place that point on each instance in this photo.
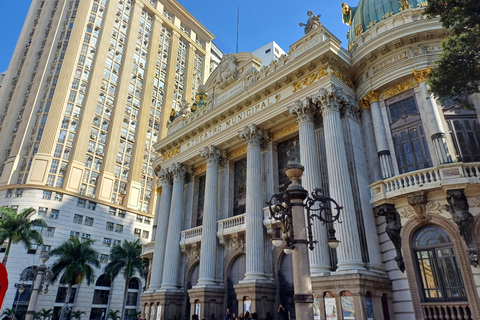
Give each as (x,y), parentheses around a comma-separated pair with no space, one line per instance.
(10,313)
(457,73)
(77,315)
(125,259)
(113,315)
(45,314)
(76,262)
(19,228)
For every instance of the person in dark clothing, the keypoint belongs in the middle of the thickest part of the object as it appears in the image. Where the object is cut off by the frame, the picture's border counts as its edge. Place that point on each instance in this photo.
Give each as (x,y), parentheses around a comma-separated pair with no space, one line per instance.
(283,312)
(227,315)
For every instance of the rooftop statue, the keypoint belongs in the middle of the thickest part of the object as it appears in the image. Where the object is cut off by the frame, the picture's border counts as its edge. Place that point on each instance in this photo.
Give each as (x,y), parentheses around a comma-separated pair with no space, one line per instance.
(312,23)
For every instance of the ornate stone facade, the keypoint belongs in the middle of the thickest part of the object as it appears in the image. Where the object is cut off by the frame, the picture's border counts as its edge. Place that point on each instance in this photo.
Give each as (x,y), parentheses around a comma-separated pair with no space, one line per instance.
(365,128)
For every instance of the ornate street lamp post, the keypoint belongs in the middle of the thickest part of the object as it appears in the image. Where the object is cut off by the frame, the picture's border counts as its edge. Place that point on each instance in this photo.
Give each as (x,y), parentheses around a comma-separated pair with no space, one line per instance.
(42,278)
(288,208)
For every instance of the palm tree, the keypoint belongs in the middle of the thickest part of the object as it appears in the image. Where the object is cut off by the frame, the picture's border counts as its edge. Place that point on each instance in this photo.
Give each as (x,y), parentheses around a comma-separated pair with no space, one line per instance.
(76,314)
(10,313)
(113,315)
(45,314)
(125,259)
(76,262)
(19,228)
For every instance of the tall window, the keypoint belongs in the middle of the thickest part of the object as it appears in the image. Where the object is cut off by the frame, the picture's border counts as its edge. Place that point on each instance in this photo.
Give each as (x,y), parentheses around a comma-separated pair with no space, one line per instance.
(465,130)
(239,185)
(201,200)
(441,278)
(408,135)
(286,151)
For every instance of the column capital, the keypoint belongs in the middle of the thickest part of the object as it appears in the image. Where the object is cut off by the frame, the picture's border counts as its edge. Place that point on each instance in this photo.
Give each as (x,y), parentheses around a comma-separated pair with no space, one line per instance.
(351,108)
(178,171)
(372,96)
(422,75)
(253,135)
(213,155)
(364,105)
(303,110)
(330,100)
(164,176)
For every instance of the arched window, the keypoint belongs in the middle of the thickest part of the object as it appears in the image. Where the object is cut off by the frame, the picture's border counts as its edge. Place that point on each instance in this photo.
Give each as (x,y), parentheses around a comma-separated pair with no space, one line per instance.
(434,256)
(103,281)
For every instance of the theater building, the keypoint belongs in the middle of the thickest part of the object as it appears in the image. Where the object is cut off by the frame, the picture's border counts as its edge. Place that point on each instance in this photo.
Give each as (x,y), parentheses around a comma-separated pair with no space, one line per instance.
(404,166)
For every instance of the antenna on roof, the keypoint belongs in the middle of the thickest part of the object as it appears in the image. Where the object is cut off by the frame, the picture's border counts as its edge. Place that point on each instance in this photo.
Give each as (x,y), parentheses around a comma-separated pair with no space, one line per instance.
(238,22)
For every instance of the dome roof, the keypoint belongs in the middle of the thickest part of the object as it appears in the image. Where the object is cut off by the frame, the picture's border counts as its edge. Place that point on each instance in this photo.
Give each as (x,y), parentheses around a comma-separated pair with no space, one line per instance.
(370,12)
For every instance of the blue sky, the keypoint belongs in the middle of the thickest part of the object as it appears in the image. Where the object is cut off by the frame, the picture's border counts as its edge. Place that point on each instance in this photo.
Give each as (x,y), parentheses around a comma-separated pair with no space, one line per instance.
(261,21)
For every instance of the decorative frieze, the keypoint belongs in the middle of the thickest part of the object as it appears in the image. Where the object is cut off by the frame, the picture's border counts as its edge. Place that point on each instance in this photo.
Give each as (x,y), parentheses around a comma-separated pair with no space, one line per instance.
(398,88)
(170,153)
(284,131)
(308,80)
(422,75)
(237,152)
(200,169)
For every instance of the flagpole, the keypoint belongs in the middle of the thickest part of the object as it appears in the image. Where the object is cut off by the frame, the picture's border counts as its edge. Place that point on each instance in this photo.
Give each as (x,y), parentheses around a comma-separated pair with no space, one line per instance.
(238,21)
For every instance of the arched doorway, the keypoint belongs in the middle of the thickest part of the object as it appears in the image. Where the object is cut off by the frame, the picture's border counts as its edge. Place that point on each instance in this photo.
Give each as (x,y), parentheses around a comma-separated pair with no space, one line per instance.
(236,273)
(285,284)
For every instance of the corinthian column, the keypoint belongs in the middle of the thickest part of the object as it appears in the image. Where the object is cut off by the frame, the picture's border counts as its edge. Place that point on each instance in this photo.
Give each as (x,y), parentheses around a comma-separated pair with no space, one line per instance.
(384,155)
(208,251)
(162,215)
(304,110)
(360,168)
(433,120)
(172,246)
(349,254)
(253,137)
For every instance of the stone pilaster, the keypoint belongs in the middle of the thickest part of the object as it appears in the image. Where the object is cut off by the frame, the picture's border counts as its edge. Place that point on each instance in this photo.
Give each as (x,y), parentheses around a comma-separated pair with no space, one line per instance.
(214,157)
(172,246)
(384,155)
(304,111)
(370,145)
(163,214)
(433,119)
(349,254)
(255,254)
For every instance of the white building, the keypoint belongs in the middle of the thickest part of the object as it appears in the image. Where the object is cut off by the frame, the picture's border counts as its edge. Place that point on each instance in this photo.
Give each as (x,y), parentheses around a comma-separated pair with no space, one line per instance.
(88,92)
(268,53)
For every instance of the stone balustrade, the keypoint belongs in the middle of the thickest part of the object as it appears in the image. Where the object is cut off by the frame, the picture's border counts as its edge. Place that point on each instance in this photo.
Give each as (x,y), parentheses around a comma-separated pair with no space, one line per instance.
(446,310)
(425,179)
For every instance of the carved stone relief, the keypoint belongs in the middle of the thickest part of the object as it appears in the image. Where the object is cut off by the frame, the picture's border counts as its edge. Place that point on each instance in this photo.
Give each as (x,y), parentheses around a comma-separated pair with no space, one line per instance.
(458,208)
(393,230)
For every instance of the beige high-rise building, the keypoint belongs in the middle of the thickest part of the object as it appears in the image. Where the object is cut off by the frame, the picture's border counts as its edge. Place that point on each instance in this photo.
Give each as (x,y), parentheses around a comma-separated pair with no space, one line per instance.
(88,92)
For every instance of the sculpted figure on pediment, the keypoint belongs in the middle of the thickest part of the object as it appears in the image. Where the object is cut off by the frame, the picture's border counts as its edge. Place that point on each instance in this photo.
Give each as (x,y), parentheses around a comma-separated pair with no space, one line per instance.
(227,71)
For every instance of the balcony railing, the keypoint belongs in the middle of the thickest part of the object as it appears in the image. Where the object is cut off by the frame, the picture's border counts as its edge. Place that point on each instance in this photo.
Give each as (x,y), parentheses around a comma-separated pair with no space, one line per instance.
(230,226)
(426,179)
(446,310)
(191,236)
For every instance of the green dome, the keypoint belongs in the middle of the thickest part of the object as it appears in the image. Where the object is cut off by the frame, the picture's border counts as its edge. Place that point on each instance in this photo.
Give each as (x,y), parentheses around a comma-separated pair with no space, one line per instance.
(370,12)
